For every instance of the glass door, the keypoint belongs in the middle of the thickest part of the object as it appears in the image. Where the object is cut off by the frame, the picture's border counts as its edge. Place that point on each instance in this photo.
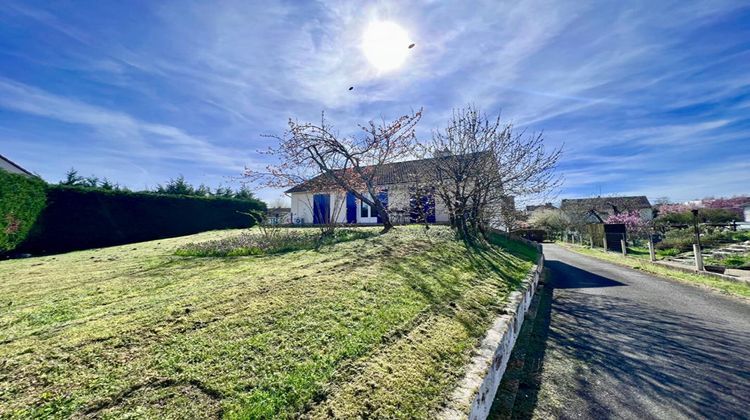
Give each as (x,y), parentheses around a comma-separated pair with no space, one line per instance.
(366,213)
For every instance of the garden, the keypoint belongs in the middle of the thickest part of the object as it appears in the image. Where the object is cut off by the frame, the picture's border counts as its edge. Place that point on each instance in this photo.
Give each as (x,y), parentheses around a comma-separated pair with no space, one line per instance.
(247,324)
(673,232)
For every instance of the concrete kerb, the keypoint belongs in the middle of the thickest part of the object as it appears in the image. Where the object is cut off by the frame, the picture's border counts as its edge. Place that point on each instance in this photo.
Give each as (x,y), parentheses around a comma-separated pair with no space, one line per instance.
(691,270)
(475,393)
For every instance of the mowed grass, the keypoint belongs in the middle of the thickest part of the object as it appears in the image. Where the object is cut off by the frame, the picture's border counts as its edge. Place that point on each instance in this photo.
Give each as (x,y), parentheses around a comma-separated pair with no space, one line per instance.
(379,326)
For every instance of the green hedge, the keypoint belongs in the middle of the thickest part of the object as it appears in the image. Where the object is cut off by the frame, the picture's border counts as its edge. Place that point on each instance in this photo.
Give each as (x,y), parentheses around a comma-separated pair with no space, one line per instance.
(82,218)
(21,201)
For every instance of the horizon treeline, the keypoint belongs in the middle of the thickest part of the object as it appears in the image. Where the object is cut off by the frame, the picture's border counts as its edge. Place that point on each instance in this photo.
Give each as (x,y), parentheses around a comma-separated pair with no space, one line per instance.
(175,186)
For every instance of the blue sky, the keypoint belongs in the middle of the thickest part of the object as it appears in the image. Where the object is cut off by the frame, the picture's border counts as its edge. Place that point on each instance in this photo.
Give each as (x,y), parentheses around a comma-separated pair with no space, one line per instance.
(648,97)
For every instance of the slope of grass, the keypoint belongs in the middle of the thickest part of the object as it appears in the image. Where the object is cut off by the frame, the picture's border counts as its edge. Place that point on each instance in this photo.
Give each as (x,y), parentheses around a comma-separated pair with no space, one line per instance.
(638,262)
(379,326)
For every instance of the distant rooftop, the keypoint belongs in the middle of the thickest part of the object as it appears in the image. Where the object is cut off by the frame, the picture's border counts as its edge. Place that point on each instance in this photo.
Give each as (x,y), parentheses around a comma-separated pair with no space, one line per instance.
(599,204)
(535,207)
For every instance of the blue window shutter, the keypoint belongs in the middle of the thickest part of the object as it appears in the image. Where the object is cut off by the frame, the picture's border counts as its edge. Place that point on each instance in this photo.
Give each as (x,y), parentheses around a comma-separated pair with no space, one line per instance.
(321,208)
(351,208)
(383,197)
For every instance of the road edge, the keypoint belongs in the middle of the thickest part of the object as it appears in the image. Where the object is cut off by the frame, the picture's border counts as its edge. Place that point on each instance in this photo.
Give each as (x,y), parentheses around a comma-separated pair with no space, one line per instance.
(629,265)
(475,393)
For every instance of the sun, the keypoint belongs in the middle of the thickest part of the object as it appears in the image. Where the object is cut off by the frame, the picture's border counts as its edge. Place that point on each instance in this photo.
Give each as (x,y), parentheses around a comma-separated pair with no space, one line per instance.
(385,45)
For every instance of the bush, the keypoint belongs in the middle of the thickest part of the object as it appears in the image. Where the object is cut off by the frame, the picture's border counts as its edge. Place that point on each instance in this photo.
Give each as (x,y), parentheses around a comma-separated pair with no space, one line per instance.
(669,252)
(22,199)
(731,261)
(260,244)
(683,239)
(704,216)
(82,218)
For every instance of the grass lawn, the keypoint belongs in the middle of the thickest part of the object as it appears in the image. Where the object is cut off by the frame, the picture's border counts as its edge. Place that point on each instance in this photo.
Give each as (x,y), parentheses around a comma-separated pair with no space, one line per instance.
(379,326)
(641,263)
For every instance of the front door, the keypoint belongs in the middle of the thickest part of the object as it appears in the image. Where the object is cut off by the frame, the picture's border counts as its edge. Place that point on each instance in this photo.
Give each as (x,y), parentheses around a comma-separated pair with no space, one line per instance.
(321,209)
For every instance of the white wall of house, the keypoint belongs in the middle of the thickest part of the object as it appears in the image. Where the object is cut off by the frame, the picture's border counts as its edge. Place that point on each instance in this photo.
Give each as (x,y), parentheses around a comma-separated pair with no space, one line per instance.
(398,198)
(302,207)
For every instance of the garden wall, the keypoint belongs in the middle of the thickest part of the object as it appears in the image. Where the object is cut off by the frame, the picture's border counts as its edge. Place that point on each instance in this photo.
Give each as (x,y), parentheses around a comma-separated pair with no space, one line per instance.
(474,396)
(80,218)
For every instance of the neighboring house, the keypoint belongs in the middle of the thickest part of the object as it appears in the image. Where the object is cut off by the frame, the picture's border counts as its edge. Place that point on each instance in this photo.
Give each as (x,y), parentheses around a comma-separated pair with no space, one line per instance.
(279,215)
(535,207)
(9,166)
(396,183)
(538,207)
(597,210)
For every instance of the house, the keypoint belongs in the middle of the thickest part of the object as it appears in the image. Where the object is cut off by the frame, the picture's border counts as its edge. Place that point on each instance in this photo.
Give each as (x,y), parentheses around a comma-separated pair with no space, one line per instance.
(396,182)
(9,166)
(598,209)
(279,215)
(539,207)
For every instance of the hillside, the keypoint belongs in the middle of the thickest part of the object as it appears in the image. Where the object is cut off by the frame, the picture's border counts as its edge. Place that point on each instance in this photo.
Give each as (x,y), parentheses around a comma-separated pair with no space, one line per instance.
(380,325)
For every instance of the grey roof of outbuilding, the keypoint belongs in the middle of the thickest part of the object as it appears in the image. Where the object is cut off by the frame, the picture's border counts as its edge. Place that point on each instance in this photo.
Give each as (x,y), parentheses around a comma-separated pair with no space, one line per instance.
(387,174)
(15,165)
(629,203)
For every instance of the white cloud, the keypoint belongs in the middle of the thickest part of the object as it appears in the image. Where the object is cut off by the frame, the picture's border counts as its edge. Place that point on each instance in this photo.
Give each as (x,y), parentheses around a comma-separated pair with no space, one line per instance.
(118,131)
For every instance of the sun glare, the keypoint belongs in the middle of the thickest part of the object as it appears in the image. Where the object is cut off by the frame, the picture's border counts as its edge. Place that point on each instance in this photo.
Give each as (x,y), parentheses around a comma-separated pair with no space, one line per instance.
(385,45)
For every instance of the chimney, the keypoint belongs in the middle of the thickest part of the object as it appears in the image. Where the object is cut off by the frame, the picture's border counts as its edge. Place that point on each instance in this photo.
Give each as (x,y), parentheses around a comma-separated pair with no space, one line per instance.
(443,153)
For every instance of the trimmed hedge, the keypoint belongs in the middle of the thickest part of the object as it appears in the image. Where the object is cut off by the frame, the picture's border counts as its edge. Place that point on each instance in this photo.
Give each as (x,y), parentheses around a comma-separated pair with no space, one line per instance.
(22,199)
(81,218)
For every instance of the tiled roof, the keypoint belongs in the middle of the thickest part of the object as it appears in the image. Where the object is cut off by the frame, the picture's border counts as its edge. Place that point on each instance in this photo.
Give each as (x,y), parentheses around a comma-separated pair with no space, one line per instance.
(600,204)
(388,174)
(545,206)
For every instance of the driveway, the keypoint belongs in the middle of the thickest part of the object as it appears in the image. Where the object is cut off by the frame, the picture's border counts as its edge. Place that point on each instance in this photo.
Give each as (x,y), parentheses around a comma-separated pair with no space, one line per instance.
(625,344)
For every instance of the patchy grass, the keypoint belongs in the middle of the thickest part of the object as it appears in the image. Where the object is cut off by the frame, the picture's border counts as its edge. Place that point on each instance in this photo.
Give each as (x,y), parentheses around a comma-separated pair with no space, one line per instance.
(276,241)
(380,326)
(724,286)
(730,261)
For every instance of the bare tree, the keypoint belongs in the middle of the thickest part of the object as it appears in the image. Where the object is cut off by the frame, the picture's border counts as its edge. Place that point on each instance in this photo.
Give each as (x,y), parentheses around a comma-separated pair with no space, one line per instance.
(347,163)
(554,221)
(510,217)
(479,162)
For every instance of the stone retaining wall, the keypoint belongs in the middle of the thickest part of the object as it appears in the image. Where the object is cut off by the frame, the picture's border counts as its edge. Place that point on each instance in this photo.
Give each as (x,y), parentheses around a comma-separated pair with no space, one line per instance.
(475,393)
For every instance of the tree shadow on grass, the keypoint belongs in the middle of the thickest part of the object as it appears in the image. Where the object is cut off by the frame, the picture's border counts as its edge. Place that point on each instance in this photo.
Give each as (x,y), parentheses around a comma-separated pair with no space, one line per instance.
(439,276)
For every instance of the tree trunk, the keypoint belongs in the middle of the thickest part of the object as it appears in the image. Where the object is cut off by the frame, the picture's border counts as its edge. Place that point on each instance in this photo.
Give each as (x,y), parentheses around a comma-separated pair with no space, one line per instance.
(384,217)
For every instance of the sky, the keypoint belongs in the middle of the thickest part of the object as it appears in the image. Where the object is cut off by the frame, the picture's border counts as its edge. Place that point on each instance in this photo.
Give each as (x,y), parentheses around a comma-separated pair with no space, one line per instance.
(647,97)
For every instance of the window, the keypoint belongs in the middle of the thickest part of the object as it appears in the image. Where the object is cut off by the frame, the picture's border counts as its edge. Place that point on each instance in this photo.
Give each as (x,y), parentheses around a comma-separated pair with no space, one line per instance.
(364,210)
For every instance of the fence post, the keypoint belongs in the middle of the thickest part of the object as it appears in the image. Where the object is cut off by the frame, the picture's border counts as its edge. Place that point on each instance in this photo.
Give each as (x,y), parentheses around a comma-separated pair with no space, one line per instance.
(698,257)
(624,247)
(591,242)
(604,240)
(651,252)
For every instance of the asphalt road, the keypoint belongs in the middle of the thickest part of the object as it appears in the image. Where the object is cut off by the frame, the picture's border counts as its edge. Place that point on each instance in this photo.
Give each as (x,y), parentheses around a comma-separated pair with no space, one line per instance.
(625,344)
